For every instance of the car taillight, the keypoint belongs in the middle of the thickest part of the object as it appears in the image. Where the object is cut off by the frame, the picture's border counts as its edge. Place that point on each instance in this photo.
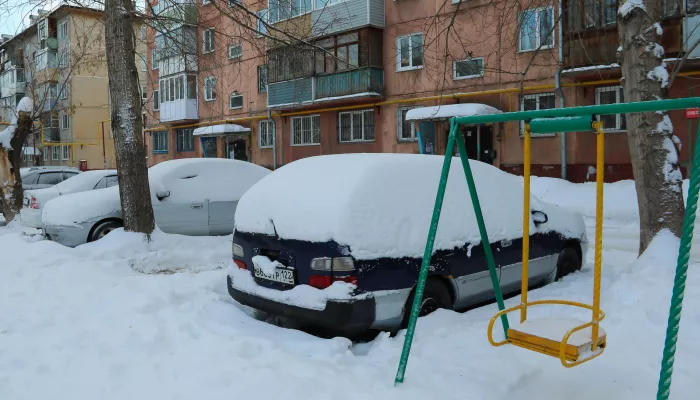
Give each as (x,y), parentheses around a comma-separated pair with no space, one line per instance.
(33,203)
(319,281)
(240,264)
(334,265)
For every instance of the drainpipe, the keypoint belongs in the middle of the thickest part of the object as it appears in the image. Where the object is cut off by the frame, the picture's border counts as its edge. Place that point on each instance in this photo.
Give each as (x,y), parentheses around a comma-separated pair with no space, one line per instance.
(559,91)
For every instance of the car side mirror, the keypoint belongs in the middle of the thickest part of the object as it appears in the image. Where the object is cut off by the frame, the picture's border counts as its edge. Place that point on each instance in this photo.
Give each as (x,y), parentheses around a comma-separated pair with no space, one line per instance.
(539,217)
(162,194)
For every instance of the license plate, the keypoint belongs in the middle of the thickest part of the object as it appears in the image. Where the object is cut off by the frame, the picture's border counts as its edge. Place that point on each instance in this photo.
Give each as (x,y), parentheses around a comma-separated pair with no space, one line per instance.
(281,275)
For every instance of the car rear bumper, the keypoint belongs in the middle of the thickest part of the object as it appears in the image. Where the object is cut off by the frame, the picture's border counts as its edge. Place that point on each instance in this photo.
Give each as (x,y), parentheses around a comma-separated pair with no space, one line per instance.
(70,236)
(339,316)
(30,217)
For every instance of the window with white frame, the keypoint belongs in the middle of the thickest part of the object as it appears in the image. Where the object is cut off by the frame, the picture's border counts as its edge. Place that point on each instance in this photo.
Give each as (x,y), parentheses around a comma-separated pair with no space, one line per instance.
(142,32)
(63,30)
(154,59)
(156,100)
(406,130)
(306,130)
(208,42)
(284,9)
(210,88)
(63,58)
(356,126)
(409,52)
(64,91)
(235,101)
(144,93)
(536,29)
(262,19)
(262,78)
(467,69)
(235,51)
(160,142)
(66,152)
(55,152)
(611,95)
(65,121)
(539,101)
(266,134)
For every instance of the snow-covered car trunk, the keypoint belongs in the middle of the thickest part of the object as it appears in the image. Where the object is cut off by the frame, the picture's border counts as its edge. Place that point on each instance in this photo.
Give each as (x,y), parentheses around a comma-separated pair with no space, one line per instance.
(363,219)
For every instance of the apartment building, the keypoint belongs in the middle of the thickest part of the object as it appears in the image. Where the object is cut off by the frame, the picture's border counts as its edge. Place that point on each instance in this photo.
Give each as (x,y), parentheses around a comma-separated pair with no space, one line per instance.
(60,62)
(338,76)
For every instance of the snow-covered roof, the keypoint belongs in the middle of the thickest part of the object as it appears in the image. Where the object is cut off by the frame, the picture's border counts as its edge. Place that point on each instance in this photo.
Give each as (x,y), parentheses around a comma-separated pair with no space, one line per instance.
(449,111)
(220,129)
(380,205)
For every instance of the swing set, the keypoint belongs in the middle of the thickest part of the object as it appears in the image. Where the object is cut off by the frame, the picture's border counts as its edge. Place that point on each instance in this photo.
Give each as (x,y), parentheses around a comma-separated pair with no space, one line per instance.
(572,341)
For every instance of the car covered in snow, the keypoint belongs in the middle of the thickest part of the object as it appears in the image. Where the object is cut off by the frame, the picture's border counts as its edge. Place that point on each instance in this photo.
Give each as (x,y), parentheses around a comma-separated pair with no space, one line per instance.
(337,241)
(195,196)
(35,199)
(44,177)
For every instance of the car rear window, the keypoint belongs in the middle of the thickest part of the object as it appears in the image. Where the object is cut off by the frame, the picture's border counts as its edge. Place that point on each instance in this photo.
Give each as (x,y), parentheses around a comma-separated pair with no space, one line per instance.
(29,179)
(50,178)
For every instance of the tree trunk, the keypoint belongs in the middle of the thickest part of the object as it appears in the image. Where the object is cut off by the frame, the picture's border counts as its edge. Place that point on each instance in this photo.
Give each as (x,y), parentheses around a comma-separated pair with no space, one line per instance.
(134,189)
(12,194)
(652,145)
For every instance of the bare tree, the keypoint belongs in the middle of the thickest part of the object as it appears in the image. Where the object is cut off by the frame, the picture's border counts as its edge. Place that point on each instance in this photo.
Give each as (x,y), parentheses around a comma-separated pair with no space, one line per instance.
(650,135)
(126,123)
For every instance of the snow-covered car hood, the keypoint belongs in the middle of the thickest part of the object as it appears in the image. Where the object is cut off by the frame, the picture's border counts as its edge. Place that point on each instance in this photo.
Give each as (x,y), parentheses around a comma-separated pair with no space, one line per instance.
(76,208)
(380,205)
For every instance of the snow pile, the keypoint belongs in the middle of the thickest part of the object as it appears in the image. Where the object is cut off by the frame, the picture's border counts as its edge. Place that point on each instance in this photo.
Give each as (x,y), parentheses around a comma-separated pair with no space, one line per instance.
(381,205)
(6,136)
(450,110)
(629,5)
(76,208)
(659,73)
(301,295)
(24,105)
(163,253)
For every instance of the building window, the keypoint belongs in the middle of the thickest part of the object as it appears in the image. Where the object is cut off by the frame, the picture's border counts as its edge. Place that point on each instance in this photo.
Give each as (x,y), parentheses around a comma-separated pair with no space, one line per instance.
(406,129)
(156,100)
(55,153)
(142,32)
(63,58)
(262,78)
(262,19)
(235,101)
(64,92)
(144,93)
(409,52)
(235,51)
(284,9)
(306,130)
(154,59)
(208,43)
(205,2)
(65,121)
(692,6)
(356,126)
(539,101)
(46,153)
(267,134)
(144,67)
(63,30)
(341,53)
(210,88)
(611,95)
(160,142)
(66,152)
(536,29)
(185,139)
(466,69)
(232,3)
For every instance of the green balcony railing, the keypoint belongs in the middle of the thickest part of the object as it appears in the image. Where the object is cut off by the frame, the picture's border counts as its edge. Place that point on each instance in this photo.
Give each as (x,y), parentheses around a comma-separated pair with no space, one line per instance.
(363,80)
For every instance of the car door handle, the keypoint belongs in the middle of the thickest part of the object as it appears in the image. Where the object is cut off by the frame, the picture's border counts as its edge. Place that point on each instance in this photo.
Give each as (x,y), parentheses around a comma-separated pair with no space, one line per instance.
(506,243)
(196,205)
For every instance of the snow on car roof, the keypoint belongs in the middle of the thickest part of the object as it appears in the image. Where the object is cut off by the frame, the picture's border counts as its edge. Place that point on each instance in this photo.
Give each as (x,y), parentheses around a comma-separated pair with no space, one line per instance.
(449,111)
(87,178)
(380,205)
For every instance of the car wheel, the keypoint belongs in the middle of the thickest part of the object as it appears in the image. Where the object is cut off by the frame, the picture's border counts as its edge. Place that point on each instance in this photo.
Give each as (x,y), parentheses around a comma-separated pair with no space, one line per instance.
(103,229)
(568,262)
(435,295)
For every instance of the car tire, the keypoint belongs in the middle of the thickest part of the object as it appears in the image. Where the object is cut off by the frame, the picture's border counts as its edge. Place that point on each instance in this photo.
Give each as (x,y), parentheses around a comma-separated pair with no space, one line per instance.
(103,228)
(435,295)
(568,262)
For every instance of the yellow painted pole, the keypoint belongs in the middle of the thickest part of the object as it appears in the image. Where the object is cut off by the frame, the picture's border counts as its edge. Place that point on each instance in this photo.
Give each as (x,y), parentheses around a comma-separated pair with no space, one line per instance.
(600,174)
(526,224)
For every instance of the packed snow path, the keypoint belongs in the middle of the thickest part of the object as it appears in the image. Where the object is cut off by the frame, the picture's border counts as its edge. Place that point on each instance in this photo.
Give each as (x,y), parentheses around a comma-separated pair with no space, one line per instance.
(83,324)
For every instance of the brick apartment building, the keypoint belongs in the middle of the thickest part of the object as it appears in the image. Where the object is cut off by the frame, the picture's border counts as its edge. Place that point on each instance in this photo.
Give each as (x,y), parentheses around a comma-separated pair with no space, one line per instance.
(261,90)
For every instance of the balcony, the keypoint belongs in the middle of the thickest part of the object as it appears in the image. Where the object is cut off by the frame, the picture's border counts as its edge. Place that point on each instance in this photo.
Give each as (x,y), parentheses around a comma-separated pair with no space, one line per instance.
(12,82)
(49,104)
(361,81)
(51,134)
(45,65)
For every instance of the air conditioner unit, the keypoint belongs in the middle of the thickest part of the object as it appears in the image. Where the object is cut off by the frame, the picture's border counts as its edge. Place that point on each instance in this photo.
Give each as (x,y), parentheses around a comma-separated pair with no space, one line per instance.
(691,35)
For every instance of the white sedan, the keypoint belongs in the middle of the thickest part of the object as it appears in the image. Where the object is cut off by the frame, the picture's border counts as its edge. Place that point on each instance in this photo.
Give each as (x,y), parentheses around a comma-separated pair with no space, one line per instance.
(34,200)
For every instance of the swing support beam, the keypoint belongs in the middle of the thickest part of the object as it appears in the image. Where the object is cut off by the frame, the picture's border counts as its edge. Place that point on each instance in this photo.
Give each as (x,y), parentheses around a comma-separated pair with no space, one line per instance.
(563,121)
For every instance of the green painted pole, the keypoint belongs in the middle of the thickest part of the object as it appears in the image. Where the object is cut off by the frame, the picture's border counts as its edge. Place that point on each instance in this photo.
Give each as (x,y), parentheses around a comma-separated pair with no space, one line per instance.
(674,317)
(482,231)
(423,275)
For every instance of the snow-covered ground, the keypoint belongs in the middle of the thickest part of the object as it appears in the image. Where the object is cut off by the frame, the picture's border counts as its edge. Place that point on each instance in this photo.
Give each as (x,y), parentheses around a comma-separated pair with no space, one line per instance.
(84,324)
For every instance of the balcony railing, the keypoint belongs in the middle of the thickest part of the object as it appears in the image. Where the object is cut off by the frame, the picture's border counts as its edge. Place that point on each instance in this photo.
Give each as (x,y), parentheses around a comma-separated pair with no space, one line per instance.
(46,59)
(365,80)
(12,82)
(52,134)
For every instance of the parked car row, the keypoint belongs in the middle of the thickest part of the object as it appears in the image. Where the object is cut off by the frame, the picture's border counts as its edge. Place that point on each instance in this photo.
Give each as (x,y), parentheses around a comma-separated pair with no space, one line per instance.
(334,241)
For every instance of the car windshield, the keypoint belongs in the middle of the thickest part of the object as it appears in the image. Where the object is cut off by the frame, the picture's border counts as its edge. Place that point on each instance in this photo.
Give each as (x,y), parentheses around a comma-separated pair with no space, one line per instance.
(79,182)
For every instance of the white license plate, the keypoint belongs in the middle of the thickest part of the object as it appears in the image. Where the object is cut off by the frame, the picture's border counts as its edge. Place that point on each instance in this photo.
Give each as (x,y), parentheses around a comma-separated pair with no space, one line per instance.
(281,275)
